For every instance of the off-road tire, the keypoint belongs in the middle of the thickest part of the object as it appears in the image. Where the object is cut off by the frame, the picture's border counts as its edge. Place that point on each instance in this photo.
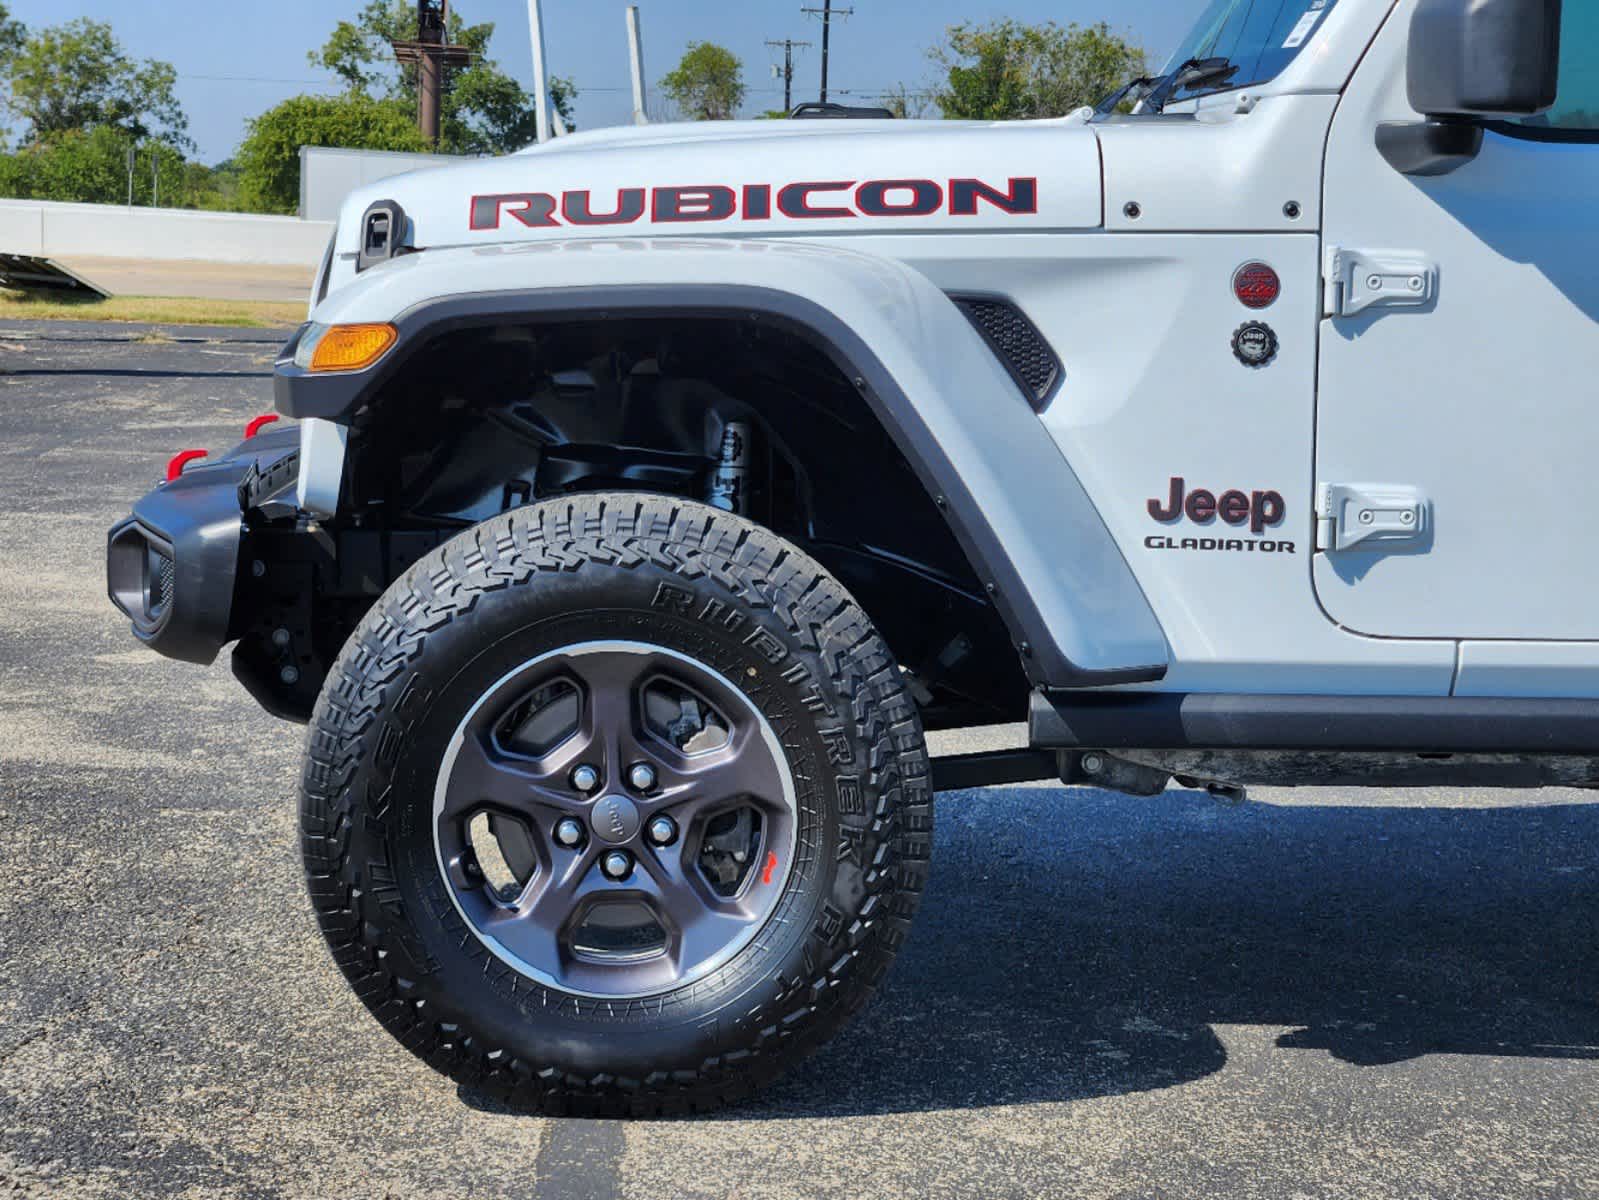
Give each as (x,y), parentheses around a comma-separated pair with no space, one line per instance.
(685,576)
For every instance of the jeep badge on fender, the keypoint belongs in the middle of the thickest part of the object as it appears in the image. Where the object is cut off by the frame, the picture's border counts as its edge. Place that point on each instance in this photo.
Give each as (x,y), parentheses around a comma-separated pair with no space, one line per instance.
(1257,509)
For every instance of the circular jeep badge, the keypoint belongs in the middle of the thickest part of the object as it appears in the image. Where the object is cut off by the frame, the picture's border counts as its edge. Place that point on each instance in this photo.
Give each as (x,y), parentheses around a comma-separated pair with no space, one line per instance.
(1256,285)
(615,819)
(1255,344)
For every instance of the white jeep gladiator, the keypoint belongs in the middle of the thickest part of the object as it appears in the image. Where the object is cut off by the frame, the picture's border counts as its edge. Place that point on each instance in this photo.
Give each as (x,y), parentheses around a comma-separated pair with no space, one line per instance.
(654,490)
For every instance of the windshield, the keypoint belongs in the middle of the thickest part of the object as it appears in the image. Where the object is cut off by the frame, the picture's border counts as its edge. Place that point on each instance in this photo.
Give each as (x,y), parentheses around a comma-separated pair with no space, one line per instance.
(1259,37)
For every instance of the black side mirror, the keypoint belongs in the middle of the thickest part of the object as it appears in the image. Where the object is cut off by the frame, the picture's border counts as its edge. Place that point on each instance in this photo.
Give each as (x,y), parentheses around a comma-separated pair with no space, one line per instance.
(1484,58)
(1471,61)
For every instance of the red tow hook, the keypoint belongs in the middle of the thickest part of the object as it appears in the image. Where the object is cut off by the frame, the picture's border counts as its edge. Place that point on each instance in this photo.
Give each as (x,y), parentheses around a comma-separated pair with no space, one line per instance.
(261,422)
(182,459)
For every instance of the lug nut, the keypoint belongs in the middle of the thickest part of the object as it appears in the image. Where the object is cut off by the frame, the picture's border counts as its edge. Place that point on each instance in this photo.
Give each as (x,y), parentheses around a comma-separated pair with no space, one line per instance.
(663,831)
(568,832)
(618,864)
(641,776)
(585,778)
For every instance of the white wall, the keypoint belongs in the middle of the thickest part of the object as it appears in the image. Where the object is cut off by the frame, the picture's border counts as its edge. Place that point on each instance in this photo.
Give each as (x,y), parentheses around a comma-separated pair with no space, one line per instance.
(111,231)
(328,175)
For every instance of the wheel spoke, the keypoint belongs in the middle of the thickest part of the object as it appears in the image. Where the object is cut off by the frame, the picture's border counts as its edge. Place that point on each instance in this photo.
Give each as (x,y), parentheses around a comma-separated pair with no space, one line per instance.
(610,680)
(665,878)
(533,926)
(694,785)
(483,777)
(701,925)
(710,934)
(610,683)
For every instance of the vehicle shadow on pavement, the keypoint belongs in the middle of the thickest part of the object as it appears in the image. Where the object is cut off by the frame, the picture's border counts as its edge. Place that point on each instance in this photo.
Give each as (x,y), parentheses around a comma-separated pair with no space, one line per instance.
(1077,944)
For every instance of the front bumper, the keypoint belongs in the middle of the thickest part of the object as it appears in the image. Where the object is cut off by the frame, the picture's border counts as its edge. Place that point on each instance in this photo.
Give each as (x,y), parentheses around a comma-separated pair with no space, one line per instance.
(172,566)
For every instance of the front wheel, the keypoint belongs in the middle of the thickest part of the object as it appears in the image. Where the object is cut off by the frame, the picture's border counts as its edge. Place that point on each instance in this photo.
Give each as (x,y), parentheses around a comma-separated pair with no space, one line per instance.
(615,804)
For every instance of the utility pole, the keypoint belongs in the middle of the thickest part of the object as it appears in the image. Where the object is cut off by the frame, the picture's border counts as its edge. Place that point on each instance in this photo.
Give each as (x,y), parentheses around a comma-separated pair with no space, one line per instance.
(789,46)
(431,52)
(827,12)
(549,117)
(635,53)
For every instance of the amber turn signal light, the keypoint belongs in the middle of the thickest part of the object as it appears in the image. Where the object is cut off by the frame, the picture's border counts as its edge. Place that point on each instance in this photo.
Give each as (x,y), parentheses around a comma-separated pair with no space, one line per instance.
(353,347)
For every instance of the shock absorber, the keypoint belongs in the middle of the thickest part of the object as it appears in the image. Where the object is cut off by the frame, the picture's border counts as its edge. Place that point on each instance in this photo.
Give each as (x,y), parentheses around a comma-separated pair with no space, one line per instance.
(729,482)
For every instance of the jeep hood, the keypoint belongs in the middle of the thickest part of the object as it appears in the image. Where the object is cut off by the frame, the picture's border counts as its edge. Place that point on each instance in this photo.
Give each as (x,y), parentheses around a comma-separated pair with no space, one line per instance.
(754,179)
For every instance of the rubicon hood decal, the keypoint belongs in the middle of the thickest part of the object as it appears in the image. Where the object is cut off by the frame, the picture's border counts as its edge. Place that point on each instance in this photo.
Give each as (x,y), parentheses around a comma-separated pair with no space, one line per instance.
(899,177)
(806,200)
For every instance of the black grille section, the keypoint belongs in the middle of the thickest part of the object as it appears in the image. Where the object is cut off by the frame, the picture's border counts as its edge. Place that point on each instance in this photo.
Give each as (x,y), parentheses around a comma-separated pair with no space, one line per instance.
(1019,345)
(165,571)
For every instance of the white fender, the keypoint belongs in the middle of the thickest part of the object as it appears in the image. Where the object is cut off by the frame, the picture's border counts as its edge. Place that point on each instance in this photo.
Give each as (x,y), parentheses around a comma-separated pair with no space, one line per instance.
(1016,506)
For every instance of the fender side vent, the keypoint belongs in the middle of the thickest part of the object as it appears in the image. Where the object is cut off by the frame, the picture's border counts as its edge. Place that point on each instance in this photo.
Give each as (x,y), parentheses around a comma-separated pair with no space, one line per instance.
(1020,348)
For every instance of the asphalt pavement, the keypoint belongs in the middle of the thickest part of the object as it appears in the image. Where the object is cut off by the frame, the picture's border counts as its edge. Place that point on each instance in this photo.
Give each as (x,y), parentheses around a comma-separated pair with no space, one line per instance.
(1312,995)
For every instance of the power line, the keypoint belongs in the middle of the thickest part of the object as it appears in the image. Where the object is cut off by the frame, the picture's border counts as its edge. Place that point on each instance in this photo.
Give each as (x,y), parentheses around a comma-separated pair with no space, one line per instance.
(258,79)
(582,91)
(865,93)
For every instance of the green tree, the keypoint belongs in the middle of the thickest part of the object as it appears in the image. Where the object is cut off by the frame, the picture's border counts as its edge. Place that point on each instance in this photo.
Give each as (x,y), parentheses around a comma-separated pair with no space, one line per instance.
(1006,70)
(269,159)
(708,85)
(482,109)
(76,77)
(90,166)
(216,187)
(12,35)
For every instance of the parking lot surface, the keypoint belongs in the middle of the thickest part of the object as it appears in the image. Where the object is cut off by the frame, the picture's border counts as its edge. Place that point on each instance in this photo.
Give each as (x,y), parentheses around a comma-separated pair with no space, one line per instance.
(1316,994)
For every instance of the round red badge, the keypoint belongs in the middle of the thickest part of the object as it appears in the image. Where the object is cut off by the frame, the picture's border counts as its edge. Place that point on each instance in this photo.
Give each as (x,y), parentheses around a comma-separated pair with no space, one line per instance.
(1257,286)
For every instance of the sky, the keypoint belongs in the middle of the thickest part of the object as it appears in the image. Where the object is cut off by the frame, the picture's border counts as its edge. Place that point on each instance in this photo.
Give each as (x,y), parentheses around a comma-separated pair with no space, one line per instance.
(236,58)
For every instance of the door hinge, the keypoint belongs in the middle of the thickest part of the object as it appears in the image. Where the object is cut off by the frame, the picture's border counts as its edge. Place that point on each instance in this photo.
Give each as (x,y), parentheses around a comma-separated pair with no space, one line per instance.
(1355,280)
(1353,514)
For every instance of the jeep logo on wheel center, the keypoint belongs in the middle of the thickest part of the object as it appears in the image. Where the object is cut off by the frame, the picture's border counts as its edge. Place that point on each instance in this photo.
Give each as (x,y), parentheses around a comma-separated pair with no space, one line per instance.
(615,819)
